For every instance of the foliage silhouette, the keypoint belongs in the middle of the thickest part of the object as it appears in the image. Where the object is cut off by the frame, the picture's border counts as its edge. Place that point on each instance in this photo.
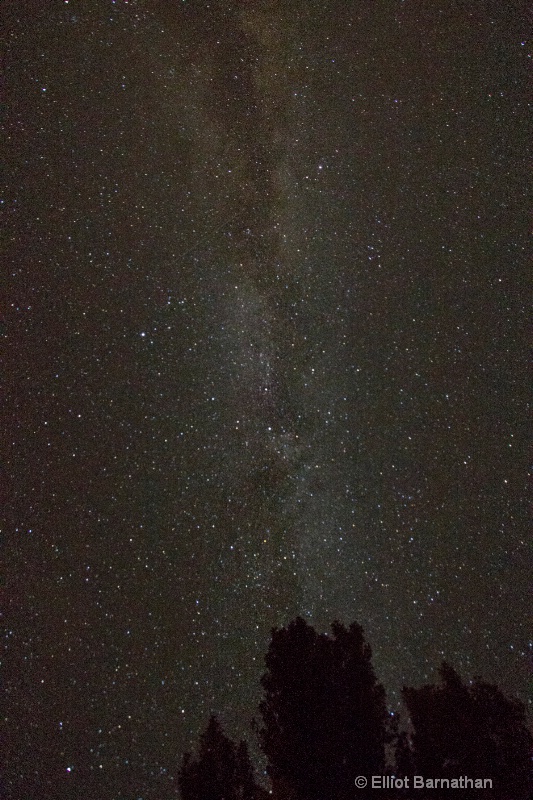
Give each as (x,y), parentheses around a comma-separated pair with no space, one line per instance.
(222,771)
(324,714)
(470,730)
(325,721)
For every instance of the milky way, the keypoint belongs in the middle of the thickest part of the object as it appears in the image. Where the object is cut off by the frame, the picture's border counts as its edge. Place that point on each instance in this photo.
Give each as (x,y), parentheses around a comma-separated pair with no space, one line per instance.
(265,353)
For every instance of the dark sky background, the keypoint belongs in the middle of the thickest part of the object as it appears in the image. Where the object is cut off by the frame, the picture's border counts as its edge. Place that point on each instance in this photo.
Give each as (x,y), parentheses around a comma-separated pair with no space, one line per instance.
(265,355)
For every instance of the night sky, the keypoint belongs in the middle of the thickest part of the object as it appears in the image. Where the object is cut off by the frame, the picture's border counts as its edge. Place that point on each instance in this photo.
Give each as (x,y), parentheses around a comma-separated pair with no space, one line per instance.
(264,355)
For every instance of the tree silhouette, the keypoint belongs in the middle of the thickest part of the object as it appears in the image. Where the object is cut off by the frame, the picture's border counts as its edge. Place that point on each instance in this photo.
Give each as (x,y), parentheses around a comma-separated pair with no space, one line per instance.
(324,714)
(325,721)
(221,771)
(470,730)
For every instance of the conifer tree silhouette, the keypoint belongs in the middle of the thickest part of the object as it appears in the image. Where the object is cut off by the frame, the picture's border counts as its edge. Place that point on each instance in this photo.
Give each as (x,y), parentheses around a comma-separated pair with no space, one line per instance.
(221,771)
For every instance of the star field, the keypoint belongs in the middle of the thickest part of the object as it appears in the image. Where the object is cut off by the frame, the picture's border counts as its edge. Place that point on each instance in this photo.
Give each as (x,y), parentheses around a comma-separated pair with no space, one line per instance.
(264,355)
